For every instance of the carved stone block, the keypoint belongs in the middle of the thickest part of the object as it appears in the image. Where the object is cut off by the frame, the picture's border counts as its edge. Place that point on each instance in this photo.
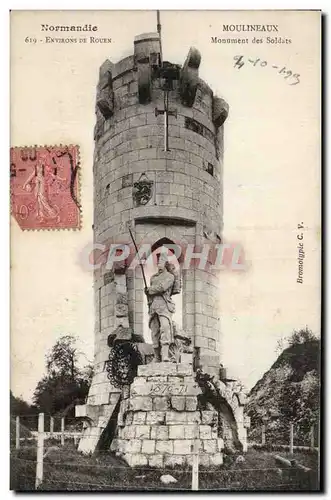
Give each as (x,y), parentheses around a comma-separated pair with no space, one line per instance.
(137,460)
(186,358)
(193,417)
(160,432)
(141,389)
(161,403)
(173,417)
(190,431)
(121,310)
(142,191)
(189,77)
(143,432)
(191,403)
(207,416)
(210,445)
(178,403)
(128,432)
(205,432)
(144,81)
(148,446)
(176,431)
(216,459)
(143,403)
(184,369)
(108,277)
(127,180)
(155,461)
(175,461)
(183,446)
(133,446)
(105,94)
(220,111)
(154,369)
(139,417)
(121,298)
(164,447)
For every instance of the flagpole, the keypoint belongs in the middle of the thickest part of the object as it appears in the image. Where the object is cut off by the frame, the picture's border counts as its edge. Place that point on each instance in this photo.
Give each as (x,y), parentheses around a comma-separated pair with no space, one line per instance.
(158,27)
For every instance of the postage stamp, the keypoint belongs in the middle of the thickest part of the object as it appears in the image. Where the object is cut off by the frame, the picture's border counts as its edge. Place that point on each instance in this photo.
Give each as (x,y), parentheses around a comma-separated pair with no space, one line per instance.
(44,187)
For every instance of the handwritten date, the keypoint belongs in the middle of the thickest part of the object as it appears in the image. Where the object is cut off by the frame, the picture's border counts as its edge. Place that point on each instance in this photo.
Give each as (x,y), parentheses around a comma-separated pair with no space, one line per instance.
(290,77)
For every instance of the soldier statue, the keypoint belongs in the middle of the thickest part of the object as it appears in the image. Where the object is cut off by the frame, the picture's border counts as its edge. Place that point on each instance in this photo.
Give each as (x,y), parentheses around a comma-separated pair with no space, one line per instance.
(163,284)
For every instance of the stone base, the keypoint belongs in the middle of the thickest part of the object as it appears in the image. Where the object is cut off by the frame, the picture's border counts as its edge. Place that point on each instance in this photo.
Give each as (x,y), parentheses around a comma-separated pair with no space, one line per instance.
(98,417)
(159,422)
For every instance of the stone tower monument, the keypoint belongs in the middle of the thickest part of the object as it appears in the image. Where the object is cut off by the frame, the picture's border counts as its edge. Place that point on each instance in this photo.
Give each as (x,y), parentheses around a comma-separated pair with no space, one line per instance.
(158,170)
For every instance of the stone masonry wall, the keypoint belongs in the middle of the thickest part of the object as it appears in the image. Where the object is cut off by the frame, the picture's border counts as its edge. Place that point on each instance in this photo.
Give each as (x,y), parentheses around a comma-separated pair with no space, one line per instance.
(159,420)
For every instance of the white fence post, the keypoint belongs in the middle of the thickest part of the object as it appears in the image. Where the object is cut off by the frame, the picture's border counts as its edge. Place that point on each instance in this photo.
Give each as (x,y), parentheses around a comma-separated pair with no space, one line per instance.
(62,431)
(17,445)
(291,439)
(195,461)
(312,436)
(51,426)
(40,451)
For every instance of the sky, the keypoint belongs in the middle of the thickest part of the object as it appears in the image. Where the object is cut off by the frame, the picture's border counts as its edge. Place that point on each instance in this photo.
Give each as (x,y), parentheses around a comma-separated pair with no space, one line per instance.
(271,177)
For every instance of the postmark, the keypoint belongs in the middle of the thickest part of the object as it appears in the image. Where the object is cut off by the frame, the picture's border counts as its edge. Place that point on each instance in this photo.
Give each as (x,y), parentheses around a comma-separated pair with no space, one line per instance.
(44,187)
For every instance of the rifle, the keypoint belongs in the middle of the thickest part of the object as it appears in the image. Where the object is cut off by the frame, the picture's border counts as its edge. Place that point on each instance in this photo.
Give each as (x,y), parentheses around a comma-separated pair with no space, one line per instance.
(137,253)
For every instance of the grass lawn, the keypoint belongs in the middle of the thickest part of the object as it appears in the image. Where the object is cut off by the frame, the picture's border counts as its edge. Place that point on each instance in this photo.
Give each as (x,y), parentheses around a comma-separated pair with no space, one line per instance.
(66,469)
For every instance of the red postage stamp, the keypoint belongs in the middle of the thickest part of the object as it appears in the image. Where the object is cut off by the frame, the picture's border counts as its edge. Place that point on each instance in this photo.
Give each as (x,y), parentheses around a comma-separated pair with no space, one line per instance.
(44,185)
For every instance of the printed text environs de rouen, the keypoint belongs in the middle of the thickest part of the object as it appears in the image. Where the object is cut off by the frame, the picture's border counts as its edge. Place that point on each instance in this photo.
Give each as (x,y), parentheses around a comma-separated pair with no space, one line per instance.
(68,34)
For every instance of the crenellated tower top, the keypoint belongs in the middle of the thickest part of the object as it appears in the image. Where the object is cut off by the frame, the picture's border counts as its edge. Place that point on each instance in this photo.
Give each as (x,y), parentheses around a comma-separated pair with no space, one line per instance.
(153,78)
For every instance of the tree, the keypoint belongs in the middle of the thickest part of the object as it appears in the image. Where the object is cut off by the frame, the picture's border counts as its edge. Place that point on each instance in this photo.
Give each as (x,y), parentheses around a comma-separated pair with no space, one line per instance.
(302,336)
(281,345)
(63,358)
(65,384)
(20,407)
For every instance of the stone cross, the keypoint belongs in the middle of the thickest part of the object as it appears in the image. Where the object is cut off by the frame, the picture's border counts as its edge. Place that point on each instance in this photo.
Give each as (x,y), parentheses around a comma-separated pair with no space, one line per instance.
(166,112)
